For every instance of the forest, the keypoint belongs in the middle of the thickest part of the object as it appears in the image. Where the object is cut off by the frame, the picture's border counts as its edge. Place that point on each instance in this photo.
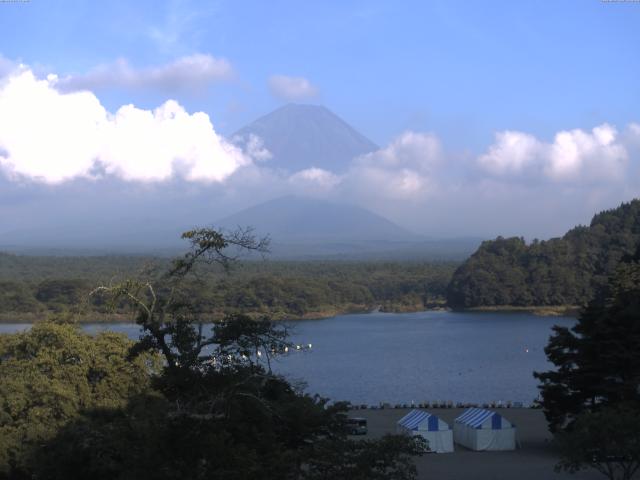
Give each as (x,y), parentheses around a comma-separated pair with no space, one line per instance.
(560,271)
(34,288)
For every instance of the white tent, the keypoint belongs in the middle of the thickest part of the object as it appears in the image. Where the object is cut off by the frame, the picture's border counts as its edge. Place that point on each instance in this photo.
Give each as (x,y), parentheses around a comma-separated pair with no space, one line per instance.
(436,432)
(480,429)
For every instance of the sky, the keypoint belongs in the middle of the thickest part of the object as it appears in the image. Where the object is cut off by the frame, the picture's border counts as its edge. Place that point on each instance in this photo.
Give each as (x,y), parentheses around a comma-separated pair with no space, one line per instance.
(492,117)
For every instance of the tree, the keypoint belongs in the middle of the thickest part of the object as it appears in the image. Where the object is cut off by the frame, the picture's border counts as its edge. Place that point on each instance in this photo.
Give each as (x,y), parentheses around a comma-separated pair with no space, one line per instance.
(597,360)
(560,271)
(387,458)
(607,441)
(592,399)
(217,410)
(51,374)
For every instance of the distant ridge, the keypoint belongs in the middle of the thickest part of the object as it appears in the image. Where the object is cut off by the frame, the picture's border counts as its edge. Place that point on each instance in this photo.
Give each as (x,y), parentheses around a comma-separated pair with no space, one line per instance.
(558,272)
(305,136)
(307,228)
(302,219)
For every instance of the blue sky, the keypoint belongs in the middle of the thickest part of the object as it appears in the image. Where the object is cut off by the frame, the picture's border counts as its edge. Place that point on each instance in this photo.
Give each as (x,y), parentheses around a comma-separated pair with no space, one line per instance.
(461,69)
(492,117)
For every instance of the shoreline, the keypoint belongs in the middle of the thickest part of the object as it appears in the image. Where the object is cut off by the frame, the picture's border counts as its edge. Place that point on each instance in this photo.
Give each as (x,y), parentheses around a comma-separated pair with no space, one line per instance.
(93,318)
(540,310)
(212,317)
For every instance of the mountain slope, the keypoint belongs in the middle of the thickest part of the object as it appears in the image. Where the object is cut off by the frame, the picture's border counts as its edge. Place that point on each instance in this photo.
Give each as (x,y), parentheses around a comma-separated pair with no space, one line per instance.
(304,136)
(306,228)
(299,219)
(561,271)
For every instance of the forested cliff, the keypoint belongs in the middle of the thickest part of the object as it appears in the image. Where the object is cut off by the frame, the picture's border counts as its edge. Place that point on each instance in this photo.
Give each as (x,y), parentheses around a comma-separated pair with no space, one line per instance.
(559,271)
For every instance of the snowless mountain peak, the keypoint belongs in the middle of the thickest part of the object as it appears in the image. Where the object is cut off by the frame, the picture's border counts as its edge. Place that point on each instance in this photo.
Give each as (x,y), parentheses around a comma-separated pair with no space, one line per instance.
(301,136)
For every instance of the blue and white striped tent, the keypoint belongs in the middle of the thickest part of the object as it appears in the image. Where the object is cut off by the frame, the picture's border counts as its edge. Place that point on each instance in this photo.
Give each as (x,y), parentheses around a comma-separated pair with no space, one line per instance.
(436,432)
(480,429)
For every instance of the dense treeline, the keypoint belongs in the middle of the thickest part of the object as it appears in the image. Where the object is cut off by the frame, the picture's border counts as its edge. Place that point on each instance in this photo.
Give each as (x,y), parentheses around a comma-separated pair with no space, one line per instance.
(33,288)
(560,271)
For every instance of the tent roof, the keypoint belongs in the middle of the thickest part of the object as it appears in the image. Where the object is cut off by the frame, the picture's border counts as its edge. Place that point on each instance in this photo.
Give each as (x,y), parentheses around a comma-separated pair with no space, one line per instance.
(415,418)
(475,417)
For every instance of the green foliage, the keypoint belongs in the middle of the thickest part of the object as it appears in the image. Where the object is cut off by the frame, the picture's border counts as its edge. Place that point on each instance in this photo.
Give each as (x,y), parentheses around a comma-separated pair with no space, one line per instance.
(35,287)
(386,458)
(560,271)
(51,374)
(18,297)
(607,441)
(597,361)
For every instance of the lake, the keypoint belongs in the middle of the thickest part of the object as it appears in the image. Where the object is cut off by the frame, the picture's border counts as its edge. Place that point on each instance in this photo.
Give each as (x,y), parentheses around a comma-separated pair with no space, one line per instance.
(400,358)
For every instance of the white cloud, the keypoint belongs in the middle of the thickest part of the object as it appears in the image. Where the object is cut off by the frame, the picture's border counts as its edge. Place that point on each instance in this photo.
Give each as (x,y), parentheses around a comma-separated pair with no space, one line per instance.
(52,137)
(315,178)
(573,156)
(193,72)
(576,154)
(292,89)
(418,151)
(253,145)
(404,169)
(511,153)
(398,184)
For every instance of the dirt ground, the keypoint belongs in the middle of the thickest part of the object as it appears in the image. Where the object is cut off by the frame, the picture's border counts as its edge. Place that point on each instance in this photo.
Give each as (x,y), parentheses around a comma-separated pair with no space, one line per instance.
(534,460)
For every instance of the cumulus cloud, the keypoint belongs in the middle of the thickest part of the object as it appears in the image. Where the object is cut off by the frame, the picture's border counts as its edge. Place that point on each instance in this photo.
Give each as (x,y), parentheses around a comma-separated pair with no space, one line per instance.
(253,145)
(314,179)
(573,156)
(403,169)
(512,152)
(52,137)
(419,151)
(193,72)
(292,89)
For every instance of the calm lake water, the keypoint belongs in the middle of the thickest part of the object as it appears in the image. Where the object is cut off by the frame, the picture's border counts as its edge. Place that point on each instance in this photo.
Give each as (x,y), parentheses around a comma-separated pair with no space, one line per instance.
(399,358)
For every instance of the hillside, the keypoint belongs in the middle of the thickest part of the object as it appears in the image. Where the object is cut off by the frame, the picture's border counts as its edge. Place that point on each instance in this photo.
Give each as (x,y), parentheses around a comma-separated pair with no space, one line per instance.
(559,271)
(293,218)
(304,136)
(308,228)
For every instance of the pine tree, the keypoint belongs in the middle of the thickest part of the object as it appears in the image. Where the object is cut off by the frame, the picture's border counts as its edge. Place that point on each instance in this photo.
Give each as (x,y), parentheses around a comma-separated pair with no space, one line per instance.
(598,360)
